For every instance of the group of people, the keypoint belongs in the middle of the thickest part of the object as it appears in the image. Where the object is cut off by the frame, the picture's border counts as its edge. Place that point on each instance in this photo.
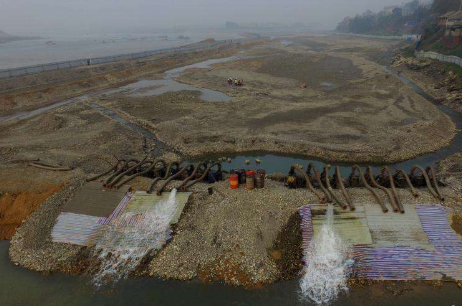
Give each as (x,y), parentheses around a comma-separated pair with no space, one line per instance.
(235,82)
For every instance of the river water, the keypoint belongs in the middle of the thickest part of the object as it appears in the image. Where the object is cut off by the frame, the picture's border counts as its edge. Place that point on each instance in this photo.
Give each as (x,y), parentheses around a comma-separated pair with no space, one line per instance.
(59,47)
(19,286)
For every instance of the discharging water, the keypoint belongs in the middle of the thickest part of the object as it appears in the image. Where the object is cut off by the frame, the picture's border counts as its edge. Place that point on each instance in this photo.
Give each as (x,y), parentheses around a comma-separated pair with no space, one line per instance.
(132,238)
(327,264)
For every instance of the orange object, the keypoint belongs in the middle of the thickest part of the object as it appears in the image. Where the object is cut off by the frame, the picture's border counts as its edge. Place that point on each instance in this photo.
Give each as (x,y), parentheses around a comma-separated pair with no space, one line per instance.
(250,173)
(234,181)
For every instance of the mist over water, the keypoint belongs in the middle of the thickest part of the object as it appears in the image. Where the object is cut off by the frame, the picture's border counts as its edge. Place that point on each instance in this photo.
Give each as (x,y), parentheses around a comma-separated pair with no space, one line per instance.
(327,263)
(133,237)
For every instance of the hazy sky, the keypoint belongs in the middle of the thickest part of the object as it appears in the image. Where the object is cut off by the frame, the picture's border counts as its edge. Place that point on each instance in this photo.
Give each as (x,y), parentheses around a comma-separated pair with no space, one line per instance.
(42,16)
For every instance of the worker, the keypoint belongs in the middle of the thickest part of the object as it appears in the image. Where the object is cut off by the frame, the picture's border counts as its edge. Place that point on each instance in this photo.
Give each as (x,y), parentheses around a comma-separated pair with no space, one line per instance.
(235,82)
(230,81)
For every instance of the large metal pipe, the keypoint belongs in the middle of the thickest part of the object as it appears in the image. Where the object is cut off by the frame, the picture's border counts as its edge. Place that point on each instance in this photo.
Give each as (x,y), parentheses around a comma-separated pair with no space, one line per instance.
(318,178)
(427,180)
(331,191)
(147,170)
(308,183)
(408,181)
(377,185)
(376,196)
(167,174)
(193,175)
(119,171)
(129,170)
(171,178)
(49,167)
(432,171)
(202,177)
(341,186)
(114,168)
(393,190)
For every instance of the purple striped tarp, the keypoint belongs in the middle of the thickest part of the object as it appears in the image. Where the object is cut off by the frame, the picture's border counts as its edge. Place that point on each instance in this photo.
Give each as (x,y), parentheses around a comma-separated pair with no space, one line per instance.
(406,263)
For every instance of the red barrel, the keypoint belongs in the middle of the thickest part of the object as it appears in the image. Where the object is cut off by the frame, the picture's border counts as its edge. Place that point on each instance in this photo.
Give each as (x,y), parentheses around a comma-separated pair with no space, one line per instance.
(250,173)
(234,181)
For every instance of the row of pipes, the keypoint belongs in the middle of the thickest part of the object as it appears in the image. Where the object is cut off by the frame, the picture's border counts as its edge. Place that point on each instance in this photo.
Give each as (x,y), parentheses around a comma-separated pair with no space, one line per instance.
(125,171)
(385,181)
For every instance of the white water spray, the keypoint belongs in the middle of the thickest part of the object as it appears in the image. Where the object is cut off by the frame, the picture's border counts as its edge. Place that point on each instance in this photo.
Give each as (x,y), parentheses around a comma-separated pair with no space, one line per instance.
(133,236)
(327,264)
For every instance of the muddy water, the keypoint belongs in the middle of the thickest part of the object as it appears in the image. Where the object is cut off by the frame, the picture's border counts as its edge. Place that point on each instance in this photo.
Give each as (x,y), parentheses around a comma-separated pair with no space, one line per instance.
(19,286)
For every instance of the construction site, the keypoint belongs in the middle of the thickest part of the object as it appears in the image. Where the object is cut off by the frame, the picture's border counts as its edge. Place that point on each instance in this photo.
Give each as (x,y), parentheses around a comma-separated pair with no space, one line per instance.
(223,164)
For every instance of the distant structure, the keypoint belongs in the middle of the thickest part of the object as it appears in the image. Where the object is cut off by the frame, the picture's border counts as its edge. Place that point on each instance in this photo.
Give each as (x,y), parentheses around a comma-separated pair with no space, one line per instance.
(232,25)
(453,23)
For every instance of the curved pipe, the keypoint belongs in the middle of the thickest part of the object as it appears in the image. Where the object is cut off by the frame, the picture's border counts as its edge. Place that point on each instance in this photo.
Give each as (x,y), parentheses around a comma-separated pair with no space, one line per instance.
(49,167)
(121,175)
(342,187)
(167,174)
(408,181)
(377,185)
(318,178)
(427,180)
(147,170)
(308,183)
(394,191)
(376,196)
(119,171)
(431,169)
(184,188)
(107,172)
(193,175)
(331,191)
(171,178)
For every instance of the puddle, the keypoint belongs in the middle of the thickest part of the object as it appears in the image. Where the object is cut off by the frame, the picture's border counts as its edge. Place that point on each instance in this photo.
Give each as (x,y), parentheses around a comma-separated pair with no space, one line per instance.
(147,88)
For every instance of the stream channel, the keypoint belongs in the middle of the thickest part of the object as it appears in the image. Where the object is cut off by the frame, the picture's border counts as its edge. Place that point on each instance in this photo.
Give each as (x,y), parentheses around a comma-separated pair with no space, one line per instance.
(19,286)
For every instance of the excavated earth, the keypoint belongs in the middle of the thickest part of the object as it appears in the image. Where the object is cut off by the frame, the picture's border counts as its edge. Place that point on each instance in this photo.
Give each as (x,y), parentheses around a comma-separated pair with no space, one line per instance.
(350,110)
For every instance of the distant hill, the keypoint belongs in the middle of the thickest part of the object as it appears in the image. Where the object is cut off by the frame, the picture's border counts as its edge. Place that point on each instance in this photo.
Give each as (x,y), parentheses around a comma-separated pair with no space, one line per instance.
(5,37)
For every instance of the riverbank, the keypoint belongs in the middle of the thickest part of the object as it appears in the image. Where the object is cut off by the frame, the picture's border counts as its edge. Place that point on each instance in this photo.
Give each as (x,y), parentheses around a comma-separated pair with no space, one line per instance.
(244,238)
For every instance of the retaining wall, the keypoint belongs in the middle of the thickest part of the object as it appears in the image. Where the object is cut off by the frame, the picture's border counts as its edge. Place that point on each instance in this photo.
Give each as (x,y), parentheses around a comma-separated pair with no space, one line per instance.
(9,73)
(440,57)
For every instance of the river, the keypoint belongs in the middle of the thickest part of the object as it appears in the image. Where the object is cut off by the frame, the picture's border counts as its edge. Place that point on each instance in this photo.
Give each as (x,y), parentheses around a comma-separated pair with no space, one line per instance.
(19,286)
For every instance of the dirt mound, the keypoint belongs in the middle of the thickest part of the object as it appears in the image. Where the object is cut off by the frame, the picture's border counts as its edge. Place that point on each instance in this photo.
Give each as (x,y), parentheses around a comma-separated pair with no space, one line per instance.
(15,207)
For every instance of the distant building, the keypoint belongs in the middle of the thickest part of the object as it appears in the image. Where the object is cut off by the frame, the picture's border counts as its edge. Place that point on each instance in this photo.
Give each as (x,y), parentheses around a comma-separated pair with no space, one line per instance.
(453,24)
(444,18)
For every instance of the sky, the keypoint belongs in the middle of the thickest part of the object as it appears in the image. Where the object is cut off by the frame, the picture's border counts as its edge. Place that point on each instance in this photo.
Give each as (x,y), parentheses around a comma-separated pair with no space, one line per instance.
(34,17)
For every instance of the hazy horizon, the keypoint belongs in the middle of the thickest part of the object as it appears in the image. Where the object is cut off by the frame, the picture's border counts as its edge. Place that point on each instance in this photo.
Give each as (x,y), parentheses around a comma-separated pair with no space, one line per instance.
(32,17)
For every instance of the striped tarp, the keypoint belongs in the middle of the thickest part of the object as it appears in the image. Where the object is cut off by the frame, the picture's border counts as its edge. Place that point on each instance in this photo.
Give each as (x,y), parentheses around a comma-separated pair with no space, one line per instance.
(113,216)
(76,229)
(407,263)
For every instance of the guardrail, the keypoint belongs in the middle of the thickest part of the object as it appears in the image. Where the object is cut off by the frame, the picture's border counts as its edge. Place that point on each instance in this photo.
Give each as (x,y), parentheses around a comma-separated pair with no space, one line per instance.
(440,57)
(412,37)
(14,72)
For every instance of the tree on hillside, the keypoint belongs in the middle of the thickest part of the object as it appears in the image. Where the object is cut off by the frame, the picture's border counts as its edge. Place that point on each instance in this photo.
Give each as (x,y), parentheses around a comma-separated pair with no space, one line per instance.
(444,6)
